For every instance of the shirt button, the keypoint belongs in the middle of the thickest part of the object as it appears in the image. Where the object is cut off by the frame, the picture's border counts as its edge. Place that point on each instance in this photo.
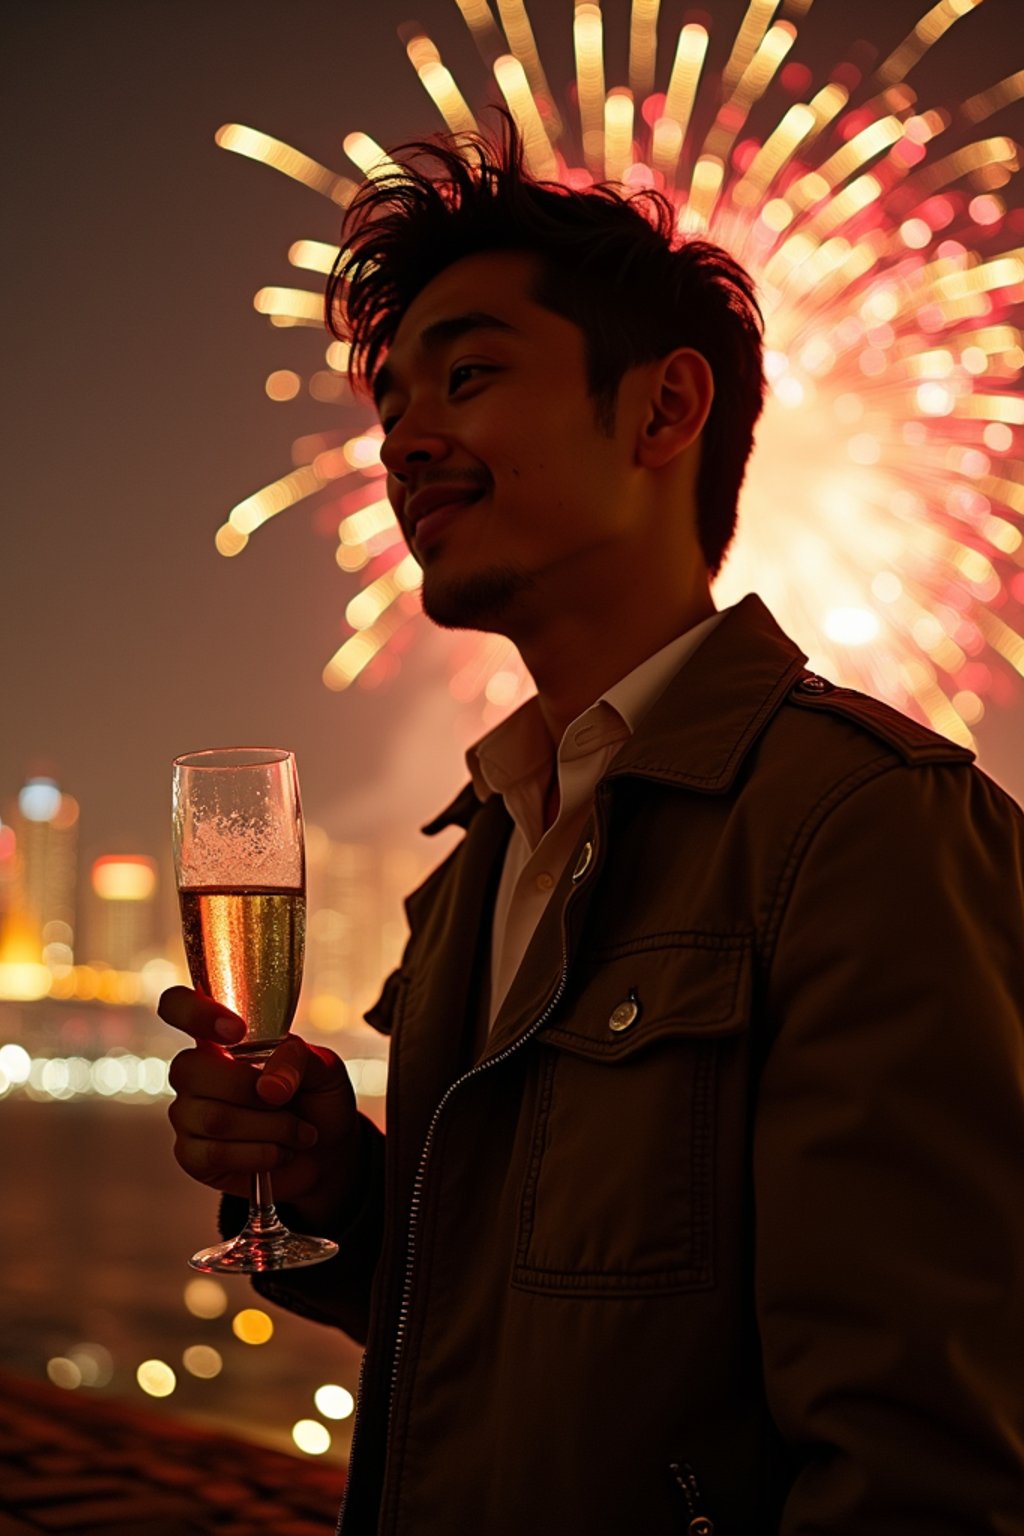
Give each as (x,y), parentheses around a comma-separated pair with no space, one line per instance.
(544,881)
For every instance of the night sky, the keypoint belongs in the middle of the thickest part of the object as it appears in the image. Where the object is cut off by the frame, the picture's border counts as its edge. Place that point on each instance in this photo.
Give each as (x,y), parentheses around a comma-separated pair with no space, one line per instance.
(135,410)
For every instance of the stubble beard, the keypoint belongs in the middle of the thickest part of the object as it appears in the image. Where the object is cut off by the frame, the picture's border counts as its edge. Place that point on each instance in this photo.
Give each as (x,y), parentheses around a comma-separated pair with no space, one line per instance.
(486,601)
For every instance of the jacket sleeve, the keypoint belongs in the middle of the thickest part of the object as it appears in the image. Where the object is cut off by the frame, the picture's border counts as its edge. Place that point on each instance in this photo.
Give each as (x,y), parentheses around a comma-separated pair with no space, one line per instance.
(888,1154)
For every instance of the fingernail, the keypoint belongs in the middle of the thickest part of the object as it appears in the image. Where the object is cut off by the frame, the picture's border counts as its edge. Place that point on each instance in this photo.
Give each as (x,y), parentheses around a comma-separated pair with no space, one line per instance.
(272,1086)
(229,1029)
(308,1134)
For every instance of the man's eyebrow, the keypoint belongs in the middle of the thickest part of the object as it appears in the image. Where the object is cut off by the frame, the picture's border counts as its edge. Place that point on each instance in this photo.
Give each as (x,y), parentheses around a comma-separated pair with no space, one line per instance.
(436,336)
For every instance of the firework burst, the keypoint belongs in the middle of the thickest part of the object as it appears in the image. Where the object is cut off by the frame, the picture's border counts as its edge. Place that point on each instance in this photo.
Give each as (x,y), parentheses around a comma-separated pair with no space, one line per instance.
(883,512)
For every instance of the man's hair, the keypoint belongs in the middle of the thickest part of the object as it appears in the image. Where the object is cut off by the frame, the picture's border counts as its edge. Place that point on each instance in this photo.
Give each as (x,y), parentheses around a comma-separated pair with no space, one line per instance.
(610,264)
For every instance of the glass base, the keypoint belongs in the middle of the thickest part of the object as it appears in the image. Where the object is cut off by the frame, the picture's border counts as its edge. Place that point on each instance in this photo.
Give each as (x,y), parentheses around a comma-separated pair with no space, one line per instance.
(252,1252)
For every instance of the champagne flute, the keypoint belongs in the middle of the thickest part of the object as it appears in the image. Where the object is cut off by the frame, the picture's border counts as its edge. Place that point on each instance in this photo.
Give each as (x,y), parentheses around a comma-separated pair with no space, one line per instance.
(240,865)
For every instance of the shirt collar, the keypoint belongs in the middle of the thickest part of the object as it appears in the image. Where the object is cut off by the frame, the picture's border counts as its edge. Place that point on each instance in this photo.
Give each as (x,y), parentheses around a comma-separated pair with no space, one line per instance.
(520,747)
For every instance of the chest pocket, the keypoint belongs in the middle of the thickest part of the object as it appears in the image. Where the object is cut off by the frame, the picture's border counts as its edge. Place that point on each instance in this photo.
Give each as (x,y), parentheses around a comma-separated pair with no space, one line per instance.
(618,1197)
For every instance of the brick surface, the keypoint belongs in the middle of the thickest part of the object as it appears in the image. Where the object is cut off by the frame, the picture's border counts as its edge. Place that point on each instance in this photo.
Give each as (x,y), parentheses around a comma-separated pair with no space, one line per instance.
(80,1463)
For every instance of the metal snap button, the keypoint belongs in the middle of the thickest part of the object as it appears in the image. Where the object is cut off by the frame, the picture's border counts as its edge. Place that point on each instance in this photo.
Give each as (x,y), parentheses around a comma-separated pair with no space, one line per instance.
(583,862)
(814,685)
(624,1015)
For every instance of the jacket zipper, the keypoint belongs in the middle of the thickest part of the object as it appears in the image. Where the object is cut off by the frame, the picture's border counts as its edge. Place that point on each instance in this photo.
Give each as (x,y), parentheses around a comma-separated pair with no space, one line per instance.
(414,1206)
(699,1524)
(352,1446)
(484,1066)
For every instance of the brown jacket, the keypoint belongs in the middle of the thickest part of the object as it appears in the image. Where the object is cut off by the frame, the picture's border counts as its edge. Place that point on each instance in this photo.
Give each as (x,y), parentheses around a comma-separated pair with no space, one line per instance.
(727,1223)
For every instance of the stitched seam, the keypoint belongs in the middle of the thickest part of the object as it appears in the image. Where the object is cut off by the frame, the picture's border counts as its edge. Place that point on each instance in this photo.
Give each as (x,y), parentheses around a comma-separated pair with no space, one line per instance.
(696,1274)
(754,726)
(526,1277)
(811,824)
(915,744)
(683,938)
(527,1204)
(398,1012)
(617,1048)
(702,1160)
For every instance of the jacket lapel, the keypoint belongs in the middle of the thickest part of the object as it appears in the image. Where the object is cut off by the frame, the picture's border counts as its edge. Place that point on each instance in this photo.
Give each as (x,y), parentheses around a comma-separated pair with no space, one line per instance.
(699,731)
(450,917)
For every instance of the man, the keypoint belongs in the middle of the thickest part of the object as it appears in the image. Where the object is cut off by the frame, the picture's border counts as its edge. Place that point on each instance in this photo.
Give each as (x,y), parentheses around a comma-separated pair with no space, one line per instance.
(700,1207)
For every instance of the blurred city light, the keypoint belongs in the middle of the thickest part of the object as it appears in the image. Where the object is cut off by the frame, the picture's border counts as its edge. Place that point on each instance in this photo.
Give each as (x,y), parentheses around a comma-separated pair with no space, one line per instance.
(311,1436)
(334,1402)
(252,1326)
(39,800)
(156,1378)
(206,1298)
(94,1362)
(124,877)
(63,1372)
(202,1360)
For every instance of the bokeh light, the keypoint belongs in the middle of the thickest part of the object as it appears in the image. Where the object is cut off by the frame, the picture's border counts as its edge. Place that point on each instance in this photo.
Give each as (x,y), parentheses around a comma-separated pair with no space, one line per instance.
(202,1360)
(120,877)
(252,1326)
(334,1402)
(311,1436)
(283,384)
(39,800)
(94,1362)
(206,1298)
(63,1372)
(156,1378)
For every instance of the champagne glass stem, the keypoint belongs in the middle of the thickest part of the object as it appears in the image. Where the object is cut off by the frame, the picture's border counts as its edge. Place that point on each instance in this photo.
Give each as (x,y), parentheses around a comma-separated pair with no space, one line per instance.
(262,1214)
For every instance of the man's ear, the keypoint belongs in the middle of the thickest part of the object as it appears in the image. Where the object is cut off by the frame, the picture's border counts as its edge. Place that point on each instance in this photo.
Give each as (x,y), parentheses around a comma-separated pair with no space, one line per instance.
(680,392)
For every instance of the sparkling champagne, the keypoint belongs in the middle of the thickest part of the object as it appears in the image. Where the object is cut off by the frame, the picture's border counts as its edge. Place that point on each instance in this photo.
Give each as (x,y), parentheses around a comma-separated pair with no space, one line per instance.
(245,948)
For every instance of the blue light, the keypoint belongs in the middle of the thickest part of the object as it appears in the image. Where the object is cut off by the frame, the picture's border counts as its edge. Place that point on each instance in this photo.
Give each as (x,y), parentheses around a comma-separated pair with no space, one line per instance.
(39,800)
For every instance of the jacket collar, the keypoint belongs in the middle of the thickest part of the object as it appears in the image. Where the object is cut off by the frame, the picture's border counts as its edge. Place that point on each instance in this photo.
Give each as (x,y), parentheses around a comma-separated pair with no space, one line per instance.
(702,727)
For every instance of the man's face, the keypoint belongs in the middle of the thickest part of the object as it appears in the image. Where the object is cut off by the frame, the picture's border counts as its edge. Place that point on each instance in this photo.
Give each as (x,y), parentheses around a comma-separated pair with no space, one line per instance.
(505,489)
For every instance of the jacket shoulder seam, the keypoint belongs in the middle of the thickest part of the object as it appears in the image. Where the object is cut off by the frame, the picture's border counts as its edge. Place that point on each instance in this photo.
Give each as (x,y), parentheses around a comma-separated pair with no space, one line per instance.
(817,813)
(914,743)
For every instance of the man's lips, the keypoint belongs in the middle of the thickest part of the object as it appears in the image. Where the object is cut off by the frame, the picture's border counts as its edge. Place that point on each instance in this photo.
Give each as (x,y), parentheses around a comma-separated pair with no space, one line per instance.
(428,509)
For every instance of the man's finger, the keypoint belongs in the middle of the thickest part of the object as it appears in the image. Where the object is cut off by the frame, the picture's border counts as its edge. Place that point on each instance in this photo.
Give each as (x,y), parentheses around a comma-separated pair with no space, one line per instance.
(218,1120)
(218,1162)
(295,1065)
(199,1016)
(208,1072)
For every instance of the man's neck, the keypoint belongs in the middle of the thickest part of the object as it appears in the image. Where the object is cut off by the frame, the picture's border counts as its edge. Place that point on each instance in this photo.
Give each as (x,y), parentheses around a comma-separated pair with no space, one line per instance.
(573,665)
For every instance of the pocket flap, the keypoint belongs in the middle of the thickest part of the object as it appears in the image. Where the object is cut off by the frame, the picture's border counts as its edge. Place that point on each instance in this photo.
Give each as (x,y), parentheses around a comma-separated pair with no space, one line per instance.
(693,985)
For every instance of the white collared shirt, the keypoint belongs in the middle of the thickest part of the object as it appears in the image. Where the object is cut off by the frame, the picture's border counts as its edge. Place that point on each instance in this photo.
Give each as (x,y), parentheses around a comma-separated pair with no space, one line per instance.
(514,761)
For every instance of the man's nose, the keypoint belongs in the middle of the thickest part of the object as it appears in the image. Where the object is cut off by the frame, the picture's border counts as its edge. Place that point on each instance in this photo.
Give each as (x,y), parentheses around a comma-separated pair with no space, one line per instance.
(409,444)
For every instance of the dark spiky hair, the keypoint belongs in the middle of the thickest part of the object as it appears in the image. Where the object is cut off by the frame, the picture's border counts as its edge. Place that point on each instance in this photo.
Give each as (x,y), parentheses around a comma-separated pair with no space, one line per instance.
(610,264)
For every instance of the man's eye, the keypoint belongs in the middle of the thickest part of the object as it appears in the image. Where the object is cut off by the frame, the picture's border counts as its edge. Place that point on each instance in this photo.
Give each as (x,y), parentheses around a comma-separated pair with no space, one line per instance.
(462,373)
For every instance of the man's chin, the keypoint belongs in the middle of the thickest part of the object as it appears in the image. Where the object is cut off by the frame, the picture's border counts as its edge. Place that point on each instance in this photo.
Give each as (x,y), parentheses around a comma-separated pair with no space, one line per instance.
(485,601)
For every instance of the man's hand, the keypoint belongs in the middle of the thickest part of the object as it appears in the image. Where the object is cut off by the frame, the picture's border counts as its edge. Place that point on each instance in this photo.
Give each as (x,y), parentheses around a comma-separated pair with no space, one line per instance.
(296,1117)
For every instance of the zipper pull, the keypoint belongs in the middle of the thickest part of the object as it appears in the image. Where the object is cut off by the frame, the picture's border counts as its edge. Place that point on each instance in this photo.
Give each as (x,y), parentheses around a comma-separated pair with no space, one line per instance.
(699,1524)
